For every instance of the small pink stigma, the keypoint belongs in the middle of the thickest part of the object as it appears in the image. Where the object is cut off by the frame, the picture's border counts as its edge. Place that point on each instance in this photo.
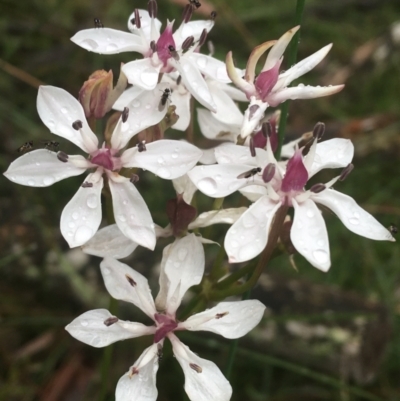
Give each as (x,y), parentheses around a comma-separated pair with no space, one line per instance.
(165,325)
(296,175)
(265,82)
(164,43)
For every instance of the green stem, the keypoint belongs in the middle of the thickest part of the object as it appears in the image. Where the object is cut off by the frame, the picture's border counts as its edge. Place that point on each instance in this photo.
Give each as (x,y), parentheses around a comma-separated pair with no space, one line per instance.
(234,277)
(292,56)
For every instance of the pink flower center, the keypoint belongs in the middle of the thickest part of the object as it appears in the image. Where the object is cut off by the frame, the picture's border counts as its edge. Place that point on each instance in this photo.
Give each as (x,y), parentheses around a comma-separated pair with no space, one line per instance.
(165,325)
(266,81)
(104,158)
(164,44)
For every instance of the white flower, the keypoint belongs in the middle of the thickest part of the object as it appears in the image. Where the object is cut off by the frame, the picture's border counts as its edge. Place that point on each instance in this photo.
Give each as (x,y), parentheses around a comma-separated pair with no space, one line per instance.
(163,53)
(283,184)
(270,88)
(182,267)
(80,219)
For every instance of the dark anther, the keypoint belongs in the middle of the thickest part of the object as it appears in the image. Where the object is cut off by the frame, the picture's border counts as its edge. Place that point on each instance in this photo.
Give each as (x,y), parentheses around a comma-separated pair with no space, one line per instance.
(393,228)
(87,184)
(252,148)
(187,13)
(62,156)
(179,80)
(317,188)
(346,171)
(134,178)
(213,15)
(153,46)
(98,23)
(131,281)
(125,115)
(266,129)
(203,37)
(187,43)
(111,320)
(195,3)
(137,20)
(195,367)
(318,130)
(220,315)
(141,146)
(152,7)
(77,125)
(253,108)
(269,172)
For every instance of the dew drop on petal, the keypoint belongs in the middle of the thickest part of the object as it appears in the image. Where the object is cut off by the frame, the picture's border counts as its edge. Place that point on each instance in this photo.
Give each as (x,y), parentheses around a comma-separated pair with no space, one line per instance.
(83,234)
(121,217)
(89,44)
(218,177)
(234,244)
(70,233)
(51,123)
(149,77)
(163,172)
(48,180)
(207,185)
(64,110)
(354,220)
(174,155)
(249,251)
(249,220)
(310,213)
(320,256)
(106,271)
(71,224)
(75,215)
(91,201)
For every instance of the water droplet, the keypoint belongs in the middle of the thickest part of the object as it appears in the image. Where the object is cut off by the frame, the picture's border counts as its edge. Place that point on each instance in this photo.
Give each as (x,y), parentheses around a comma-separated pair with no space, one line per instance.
(205,94)
(149,77)
(174,155)
(64,110)
(310,213)
(91,201)
(218,177)
(234,244)
(354,221)
(125,202)
(70,233)
(320,256)
(207,185)
(48,180)
(163,172)
(111,47)
(249,220)
(84,323)
(71,224)
(160,160)
(148,106)
(89,44)
(106,271)
(121,217)
(75,215)
(182,253)
(83,234)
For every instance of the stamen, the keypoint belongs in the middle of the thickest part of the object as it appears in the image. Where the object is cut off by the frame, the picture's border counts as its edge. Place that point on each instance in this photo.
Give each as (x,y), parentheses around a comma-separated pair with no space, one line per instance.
(131,281)
(346,171)
(153,46)
(141,146)
(77,125)
(111,320)
(213,15)
(125,115)
(137,21)
(179,80)
(133,371)
(195,3)
(267,129)
(62,156)
(203,37)
(318,131)
(220,315)
(152,7)
(252,148)
(317,188)
(87,184)
(187,43)
(269,172)
(187,13)
(134,178)
(98,23)
(195,367)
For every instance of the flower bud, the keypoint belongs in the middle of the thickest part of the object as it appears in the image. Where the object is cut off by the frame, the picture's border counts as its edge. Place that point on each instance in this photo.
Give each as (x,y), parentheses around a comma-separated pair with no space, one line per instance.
(97,94)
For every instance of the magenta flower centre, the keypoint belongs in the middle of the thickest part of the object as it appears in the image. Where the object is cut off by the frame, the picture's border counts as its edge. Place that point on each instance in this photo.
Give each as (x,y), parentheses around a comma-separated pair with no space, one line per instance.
(266,81)
(165,325)
(104,158)
(165,44)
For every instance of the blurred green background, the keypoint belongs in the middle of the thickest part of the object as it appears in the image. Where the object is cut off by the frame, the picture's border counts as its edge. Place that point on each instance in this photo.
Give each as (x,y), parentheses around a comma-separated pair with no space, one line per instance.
(44,285)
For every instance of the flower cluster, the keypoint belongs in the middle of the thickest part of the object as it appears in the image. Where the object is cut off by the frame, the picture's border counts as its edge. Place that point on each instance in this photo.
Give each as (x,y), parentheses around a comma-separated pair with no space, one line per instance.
(164,81)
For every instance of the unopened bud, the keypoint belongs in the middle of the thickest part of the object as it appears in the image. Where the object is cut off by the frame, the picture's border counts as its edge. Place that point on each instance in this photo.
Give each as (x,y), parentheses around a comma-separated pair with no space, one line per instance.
(203,37)
(252,148)
(318,130)
(125,115)
(187,13)
(152,7)
(180,215)
(187,43)
(62,156)
(269,172)
(346,171)
(213,15)
(317,188)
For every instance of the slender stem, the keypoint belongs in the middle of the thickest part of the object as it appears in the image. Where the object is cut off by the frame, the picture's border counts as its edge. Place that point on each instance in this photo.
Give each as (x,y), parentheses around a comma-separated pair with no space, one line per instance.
(292,56)
(234,277)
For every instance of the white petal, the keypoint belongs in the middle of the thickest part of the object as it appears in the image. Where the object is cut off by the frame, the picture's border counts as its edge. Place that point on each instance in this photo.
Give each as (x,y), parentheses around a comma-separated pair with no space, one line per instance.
(143,113)
(228,319)
(252,120)
(182,103)
(81,217)
(192,28)
(132,214)
(91,329)
(184,185)
(233,92)
(302,92)
(145,24)
(127,97)
(221,179)
(227,111)
(142,73)
(301,68)
(142,385)
(203,379)
(309,236)
(194,82)
(208,156)
(183,266)
(211,67)
(59,110)
(228,153)
(110,242)
(211,128)
(225,216)
(334,153)
(168,159)
(253,192)
(126,284)
(352,215)
(249,235)
(108,41)
(40,168)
